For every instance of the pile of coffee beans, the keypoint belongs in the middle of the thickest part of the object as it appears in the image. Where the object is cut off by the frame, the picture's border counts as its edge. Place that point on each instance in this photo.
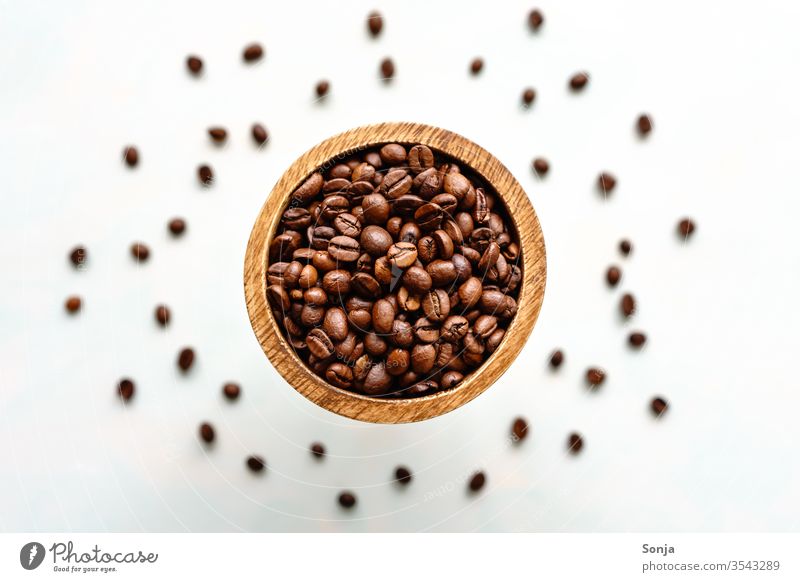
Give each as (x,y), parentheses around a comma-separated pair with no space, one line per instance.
(394,273)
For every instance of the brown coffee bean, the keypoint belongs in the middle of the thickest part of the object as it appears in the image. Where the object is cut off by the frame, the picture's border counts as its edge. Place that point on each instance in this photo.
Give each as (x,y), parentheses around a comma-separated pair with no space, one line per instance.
(481,210)
(387,69)
(73,304)
(528,95)
(126,389)
(393,154)
(347,499)
(344,248)
(417,280)
(637,339)
(451,379)
(317,450)
(194,64)
(420,158)
(606,182)
(686,227)
(540,166)
(79,256)
(378,379)
(477,481)
(402,254)
(177,226)
(556,359)
(259,133)
(476,66)
(485,326)
(595,376)
(442,273)
(231,390)
(519,429)
(375,240)
(625,247)
(436,305)
(613,275)
(336,282)
(218,134)
(402,475)
(489,257)
(205,174)
(162,315)
(374,23)
(454,328)
(252,52)
(644,124)
(322,88)
(207,432)
(319,344)
(140,252)
(470,292)
(579,81)
(366,285)
(335,323)
(255,463)
(131,156)
(659,406)
(627,305)
(348,225)
(185,359)
(574,443)
(339,374)
(535,19)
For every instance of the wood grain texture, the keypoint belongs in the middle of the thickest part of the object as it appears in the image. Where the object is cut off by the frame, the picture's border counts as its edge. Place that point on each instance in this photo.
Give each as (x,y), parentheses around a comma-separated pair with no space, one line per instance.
(365,408)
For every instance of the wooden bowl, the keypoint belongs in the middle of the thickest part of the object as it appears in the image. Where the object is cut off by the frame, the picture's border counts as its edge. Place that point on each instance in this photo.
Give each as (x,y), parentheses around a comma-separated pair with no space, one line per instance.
(383,410)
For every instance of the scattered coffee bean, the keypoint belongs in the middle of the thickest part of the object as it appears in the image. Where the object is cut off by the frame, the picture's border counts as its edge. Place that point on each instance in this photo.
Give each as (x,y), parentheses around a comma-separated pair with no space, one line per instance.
(207,433)
(644,124)
(347,499)
(686,227)
(162,315)
(556,359)
(578,81)
(613,275)
(73,304)
(659,406)
(231,390)
(627,305)
(125,388)
(131,156)
(255,463)
(194,64)
(476,66)
(540,166)
(205,174)
(318,450)
(140,252)
(374,23)
(535,19)
(392,274)
(252,52)
(402,475)
(528,95)
(322,88)
(259,133)
(218,134)
(625,247)
(477,481)
(595,377)
(519,429)
(185,359)
(574,443)
(177,226)
(79,256)
(637,339)
(387,69)
(606,183)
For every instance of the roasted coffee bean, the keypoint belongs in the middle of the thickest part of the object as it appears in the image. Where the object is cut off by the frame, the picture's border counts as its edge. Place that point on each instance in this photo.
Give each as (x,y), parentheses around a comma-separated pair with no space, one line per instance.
(402,254)
(311,315)
(335,324)
(317,449)
(387,69)
(375,23)
(489,257)
(366,286)
(485,326)
(177,226)
(344,248)
(140,252)
(528,95)
(477,481)
(259,133)
(417,280)
(309,189)
(194,64)
(205,174)
(519,429)
(402,334)
(73,304)
(426,331)
(207,432)
(429,216)
(480,211)
(540,166)
(556,359)
(476,66)
(336,282)
(637,339)
(252,52)
(436,305)
(347,499)
(402,475)
(613,275)
(393,154)
(375,240)
(384,271)
(383,314)
(217,134)
(377,380)
(595,377)
(470,292)
(255,463)
(574,443)
(535,19)
(319,344)
(686,227)
(78,256)
(308,277)
(427,250)
(322,88)
(644,124)
(659,406)
(398,361)
(443,273)
(231,391)
(627,305)
(420,158)
(131,156)
(444,244)
(454,328)
(578,81)
(450,379)
(347,225)
(339,374)
(606,182)
(162,315)
(625,247)
(186,359)
(376,209)
(126,388)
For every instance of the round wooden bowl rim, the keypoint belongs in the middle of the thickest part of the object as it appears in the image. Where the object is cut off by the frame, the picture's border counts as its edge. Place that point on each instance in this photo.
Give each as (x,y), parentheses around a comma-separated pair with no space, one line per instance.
(385,410)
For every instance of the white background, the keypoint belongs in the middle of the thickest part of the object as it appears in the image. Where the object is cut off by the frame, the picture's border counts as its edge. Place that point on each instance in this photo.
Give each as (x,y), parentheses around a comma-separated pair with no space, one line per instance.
(80,80)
